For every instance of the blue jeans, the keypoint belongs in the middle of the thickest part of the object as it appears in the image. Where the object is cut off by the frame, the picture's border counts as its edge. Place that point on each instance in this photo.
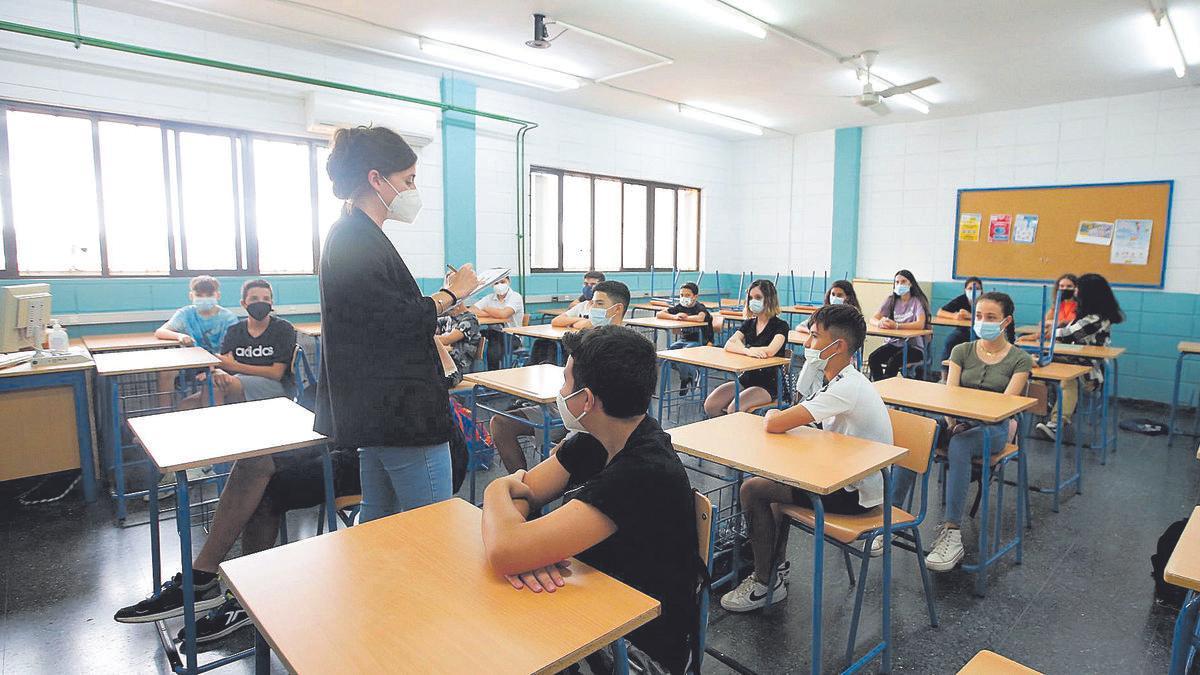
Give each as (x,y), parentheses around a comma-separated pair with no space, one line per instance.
(399,479)
(964,447)
(686,371)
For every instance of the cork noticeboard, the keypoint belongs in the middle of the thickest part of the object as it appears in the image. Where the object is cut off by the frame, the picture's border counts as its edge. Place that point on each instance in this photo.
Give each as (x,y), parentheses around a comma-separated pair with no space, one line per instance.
(1055,249)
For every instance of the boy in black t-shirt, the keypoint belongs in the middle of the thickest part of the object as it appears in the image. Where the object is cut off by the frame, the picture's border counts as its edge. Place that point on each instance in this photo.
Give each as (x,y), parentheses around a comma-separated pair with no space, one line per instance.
(689,308)
(256,354)
(627,507)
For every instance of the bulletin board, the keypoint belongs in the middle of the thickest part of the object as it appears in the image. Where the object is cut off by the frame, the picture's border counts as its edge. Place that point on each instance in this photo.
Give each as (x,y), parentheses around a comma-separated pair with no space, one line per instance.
(1044,234)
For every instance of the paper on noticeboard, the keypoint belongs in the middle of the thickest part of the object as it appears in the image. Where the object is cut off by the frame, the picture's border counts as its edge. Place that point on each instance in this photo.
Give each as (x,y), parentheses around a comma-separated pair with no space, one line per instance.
(1025,228)
(1094,232)
(1131,242)
(1000,227)
(968,226)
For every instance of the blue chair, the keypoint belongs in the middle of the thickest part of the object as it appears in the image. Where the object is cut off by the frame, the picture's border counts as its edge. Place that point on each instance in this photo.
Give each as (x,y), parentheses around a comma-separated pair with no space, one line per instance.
(917,435)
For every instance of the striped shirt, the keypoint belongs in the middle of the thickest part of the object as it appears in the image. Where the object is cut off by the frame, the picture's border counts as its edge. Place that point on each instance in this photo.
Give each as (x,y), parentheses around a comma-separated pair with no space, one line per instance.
(1088,330)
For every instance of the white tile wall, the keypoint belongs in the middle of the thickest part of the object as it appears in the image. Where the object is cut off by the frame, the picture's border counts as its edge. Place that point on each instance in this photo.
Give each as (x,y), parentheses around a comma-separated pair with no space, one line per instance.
(911,172)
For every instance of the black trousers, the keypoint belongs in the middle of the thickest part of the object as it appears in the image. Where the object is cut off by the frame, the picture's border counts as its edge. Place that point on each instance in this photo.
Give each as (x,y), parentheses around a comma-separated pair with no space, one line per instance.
(887,361)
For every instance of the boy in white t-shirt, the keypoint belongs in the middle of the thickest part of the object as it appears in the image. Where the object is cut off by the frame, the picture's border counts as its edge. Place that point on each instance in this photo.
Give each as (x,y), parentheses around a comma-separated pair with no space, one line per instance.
(502,303)
(836,397)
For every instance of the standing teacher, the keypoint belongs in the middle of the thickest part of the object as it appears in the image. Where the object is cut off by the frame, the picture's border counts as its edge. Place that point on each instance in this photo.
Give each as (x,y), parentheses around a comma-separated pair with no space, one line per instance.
(381,387)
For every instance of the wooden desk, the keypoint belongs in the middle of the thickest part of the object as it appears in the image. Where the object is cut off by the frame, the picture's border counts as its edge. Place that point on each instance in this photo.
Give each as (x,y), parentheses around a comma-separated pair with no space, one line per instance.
(1059,372)
(1186,349)
(733,313)
(127,342)
(1028,329)
(540,383)
(490,321)
(957,323)
(545,331)
(153,360)
(719,359)
(991,663)
(974,404)
(309,328)
(551,311)
(810,459)
(178,441)
(452,614)
(1083,351)
(1183,567)
(1189,347)
(662,324)
(900,333)
(46,417)
(813,460)
(1059,375)
(801,309)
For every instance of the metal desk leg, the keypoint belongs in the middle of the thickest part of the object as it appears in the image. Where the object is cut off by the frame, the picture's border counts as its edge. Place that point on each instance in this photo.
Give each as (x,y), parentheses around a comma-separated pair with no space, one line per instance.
(155,553)
(819,577)
(886,665)
(212,401)
(737,392)
(1075,441)
(904,362)
(118,454)
(1104,415)
(262,654)
(183,522)
(663,377)
(474,468)
(985,490)
(330,497)
(1114,393)
(1060,431)
(1175,398)
(83,432)
(545,431)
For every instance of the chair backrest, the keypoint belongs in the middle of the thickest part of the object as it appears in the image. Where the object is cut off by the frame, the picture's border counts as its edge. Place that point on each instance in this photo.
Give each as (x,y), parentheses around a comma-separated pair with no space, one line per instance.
(706,526)
(915,434)
(297,354)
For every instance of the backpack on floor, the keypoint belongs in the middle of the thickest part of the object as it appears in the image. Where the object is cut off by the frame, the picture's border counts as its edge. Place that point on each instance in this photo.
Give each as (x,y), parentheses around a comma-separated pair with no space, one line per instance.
(1168,594)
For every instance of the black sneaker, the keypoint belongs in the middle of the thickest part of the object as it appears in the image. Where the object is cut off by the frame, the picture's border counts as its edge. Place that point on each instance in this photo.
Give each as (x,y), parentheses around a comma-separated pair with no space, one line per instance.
(684,385)
(168,602)
(220,621)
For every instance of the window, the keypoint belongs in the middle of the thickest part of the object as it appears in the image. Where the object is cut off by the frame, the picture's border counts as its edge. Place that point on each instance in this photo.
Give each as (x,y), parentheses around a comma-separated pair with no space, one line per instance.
(582,221)
(94,194)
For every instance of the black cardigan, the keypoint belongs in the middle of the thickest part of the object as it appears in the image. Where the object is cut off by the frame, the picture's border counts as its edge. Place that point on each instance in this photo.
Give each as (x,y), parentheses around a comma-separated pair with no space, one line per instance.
(381,381)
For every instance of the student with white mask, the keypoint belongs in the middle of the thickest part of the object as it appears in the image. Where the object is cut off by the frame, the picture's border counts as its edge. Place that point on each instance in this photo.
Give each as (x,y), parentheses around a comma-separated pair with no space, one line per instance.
(502,303)
(386,397)
(762,335)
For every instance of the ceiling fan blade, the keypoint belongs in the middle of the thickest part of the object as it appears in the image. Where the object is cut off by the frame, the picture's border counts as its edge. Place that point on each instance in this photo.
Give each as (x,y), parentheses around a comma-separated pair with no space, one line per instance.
(880,109)
(911,86)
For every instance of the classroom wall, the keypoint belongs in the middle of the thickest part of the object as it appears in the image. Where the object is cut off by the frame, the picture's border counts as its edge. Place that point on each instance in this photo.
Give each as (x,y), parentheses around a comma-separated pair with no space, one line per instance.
(911,172)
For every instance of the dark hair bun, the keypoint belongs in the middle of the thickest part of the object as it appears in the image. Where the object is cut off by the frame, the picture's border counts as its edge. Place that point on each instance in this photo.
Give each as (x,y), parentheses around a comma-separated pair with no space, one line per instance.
(355,152)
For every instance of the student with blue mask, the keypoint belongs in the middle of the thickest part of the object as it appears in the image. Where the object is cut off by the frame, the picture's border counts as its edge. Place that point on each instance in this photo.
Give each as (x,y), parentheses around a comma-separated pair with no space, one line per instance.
(590,280)
(961,307)
(991,363)
(202,324)
(690,309)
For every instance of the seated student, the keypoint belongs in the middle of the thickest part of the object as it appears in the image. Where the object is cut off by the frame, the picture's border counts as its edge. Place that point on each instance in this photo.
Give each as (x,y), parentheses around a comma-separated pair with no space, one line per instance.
(689,308)
(906,308)
(458,331)
(762,335)
(991,363)
(840,292)
(628,507)
(960,308)
(256,354)
(502,303)
(607,308)
(589,286)
(840,399)
(1097,311)
(202,323)
(1067,305)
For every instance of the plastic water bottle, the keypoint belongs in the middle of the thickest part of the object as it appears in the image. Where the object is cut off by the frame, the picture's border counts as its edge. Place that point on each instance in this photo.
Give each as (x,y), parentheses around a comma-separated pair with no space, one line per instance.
(59,341)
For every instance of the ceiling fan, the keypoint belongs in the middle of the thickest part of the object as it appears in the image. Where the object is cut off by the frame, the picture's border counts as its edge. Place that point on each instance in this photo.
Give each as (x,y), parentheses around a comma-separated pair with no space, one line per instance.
(872,99)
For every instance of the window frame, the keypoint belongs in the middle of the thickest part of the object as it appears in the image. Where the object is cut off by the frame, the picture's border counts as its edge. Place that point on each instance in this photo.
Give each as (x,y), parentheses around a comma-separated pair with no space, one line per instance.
(650,187)
(241,142)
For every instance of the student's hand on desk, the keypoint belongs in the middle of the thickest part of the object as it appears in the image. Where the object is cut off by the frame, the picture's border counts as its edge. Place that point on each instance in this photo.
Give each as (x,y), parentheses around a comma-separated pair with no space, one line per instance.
(186,340)
(964,314)
(226,359)
(548,578)
(758,352)
(887,323)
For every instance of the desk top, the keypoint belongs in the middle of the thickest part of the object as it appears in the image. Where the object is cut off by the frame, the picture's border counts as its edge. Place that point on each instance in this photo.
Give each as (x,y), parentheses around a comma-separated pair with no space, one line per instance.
(810,459)
(1183,568)
(991,663)
(1065,349)
(801,309)
(719,359)
(153,360)
(733,313)
(1028,329)
(26,369)
(423,598)
(552,311)
(902,333)
(961,323)
(1189,347)
(544,330)
(975,404)
(664,324)
(311,328)
(540,383)
(189,438)
(652,306)
(493,321)
(1059,372)
(126,342)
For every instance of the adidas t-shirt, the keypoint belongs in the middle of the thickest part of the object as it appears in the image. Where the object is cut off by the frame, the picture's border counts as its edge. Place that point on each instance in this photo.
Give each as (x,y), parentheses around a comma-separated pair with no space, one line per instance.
(275,345)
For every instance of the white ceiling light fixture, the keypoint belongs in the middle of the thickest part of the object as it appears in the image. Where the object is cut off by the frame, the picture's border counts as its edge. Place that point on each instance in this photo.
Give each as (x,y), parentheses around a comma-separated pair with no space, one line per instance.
(719,120)
(722,14)
(914,102)
(499,67)
(1170,41)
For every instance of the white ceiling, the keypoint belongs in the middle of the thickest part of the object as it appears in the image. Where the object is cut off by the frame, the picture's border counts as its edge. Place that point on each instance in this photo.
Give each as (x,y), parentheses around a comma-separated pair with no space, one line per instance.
(989,54)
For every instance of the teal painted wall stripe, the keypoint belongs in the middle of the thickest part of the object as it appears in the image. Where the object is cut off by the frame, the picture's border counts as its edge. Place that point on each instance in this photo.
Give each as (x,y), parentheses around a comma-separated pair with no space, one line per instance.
(847,163)
(458,172)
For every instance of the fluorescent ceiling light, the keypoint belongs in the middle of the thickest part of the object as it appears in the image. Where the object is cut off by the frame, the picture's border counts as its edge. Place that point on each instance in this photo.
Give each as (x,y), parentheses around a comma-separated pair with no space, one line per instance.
(720,120)
(499,67)
(911,101)
(1170,42)
(721,14)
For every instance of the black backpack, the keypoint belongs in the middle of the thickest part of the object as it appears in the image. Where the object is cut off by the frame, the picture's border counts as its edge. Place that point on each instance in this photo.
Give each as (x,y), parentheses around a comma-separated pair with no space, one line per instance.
(1168,594)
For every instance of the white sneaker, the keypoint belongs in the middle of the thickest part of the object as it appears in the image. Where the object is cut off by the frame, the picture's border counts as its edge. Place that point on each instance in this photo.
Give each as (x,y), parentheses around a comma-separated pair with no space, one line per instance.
(877,546)
(947,550)
(751,595)
(1048,430)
